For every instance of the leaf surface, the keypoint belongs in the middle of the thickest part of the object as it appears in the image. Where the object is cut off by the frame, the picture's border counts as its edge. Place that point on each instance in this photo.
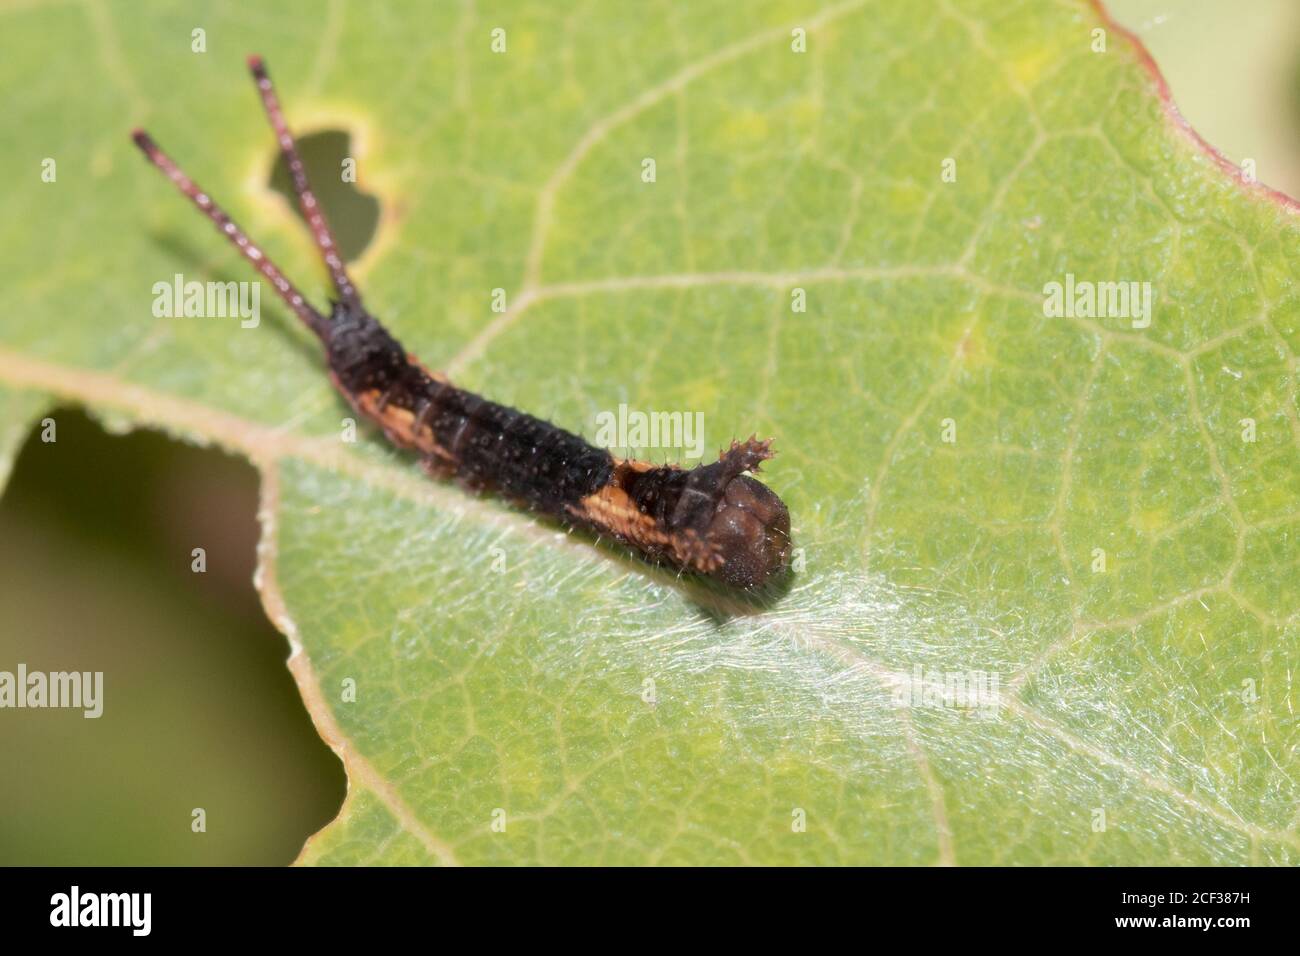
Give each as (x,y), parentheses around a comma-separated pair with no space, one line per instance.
(601,712)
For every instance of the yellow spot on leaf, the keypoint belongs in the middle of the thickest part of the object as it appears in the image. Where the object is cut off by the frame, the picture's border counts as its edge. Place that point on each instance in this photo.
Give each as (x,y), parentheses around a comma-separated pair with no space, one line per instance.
(745,128)
(1028,68)
(1149,520)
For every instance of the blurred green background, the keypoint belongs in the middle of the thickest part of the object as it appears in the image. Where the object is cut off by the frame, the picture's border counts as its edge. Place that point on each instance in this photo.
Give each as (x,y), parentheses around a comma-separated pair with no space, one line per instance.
(200,711)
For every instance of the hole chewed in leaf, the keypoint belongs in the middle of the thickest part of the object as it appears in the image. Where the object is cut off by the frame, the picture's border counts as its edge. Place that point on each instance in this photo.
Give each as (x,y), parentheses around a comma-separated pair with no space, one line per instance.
(139,568)
(332,169)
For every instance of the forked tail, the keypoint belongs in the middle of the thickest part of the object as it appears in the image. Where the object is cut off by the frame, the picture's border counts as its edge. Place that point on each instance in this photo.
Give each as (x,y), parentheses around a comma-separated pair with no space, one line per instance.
(320,230)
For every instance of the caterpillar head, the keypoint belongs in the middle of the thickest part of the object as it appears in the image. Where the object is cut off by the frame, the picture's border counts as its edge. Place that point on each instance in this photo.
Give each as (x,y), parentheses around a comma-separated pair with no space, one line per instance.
(745,526)
(750,532)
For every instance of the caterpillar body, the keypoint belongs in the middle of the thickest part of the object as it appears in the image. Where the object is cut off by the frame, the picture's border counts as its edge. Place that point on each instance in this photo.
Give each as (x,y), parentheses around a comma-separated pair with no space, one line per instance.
(714,520)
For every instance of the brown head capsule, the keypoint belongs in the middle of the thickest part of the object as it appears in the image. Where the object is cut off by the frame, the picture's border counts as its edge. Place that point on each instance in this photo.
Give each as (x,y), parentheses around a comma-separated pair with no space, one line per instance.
(750,532)
(745,527)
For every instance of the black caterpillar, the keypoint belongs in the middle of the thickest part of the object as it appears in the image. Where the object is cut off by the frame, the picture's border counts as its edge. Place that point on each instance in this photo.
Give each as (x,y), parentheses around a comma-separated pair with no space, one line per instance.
(713,519)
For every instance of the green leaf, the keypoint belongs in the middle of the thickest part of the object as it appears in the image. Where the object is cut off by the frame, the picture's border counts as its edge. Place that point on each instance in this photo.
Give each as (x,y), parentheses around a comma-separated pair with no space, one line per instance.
(1154,695)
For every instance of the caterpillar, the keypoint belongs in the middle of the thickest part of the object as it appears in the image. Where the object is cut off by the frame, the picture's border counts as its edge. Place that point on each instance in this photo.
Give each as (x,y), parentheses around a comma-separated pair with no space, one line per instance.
(713,520)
